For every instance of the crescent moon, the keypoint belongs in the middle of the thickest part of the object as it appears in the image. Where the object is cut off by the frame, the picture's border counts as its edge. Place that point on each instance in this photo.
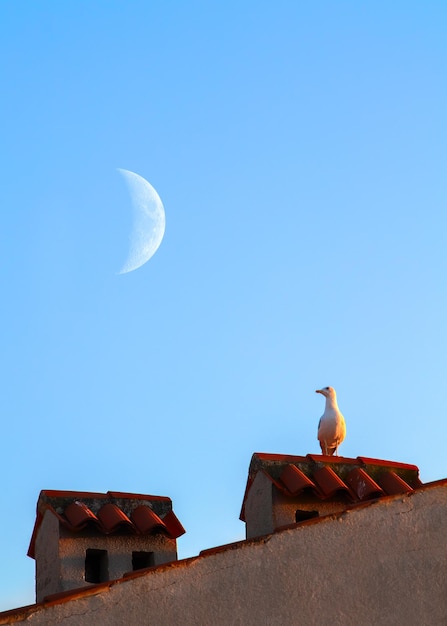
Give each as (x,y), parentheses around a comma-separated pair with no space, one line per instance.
(149,221)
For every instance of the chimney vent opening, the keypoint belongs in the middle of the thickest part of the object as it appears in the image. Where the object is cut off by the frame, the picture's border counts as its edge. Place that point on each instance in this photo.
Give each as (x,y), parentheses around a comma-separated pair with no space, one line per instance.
(140,560)
(96,566)
(301,516)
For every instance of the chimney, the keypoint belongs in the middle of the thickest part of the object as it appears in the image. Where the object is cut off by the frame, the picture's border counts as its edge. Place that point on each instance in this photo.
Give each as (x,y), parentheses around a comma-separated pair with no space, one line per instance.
(283,489)
(83,538)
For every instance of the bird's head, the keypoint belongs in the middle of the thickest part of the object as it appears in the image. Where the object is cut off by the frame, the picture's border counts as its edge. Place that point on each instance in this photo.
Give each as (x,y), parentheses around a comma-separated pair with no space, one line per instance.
(327,392)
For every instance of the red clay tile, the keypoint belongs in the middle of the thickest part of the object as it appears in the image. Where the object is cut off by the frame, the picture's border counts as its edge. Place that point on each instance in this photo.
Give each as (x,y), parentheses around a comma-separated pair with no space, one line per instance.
(75,509)
(75,495)
(329,483)
(295,480)
(175,528)
(330,460)
(135,496)
(393,484)
(111,517)
(405,466)
(146,520)
(359,478)
(363,485)
(285,458)
(51,494)
(32,545)
(78,515)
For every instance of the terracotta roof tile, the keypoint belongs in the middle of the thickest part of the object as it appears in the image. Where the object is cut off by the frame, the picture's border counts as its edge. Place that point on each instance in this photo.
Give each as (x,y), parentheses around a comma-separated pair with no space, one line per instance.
(388,464)
(322,459)
(112,518)
(79,515)
(146,520)
(393,484)
(108,513)
(362,484)
(329,482)
(295,480)
(175,528)
(329,477)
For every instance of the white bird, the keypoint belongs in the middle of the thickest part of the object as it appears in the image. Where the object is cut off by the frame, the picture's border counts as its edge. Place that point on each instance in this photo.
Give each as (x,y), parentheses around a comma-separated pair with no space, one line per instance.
(331,427)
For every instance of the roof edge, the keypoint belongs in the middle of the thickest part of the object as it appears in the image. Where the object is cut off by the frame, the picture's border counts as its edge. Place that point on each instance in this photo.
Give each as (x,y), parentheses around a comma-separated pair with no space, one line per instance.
(65,596)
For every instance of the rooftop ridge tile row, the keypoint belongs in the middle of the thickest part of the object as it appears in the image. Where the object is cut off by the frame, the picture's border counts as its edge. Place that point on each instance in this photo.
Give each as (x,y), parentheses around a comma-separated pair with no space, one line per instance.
(74,512)
(110,518)
(326,477)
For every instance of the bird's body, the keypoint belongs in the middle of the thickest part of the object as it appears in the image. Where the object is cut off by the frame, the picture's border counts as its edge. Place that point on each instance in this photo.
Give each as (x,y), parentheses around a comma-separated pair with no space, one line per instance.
(332,427)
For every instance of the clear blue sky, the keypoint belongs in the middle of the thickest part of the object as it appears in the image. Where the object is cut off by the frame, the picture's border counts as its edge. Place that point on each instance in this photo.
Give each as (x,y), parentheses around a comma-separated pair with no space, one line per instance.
(299,150)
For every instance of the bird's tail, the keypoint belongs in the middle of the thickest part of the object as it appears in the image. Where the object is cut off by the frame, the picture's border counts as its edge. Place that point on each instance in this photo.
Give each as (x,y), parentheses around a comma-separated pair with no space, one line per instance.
(327,450)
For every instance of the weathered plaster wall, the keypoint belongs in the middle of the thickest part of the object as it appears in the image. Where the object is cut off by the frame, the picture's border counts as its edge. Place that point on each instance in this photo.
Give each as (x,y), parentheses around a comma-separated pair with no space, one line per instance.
(60,555)
(48,570)
(72,551)
(284,507)
(267,509)
(258,507)
(384,563)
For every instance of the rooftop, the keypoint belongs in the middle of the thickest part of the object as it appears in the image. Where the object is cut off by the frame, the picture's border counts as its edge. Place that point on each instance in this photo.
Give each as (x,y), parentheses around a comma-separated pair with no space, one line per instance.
(183,566)
(108,513)
(329,477)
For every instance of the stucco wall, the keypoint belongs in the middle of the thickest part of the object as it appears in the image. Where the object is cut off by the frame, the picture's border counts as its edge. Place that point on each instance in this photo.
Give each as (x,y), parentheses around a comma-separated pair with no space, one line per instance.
(72,551)
(258,507)
(284,507)
(267,509)
(60,555)
(48,571)
(384,563)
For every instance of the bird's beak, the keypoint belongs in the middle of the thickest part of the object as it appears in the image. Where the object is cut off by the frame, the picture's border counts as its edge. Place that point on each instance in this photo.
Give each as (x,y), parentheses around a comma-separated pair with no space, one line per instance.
(319,391)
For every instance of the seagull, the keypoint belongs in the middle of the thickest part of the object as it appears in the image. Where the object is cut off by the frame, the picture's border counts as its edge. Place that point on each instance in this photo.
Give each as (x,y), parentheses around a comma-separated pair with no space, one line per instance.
(331,427)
